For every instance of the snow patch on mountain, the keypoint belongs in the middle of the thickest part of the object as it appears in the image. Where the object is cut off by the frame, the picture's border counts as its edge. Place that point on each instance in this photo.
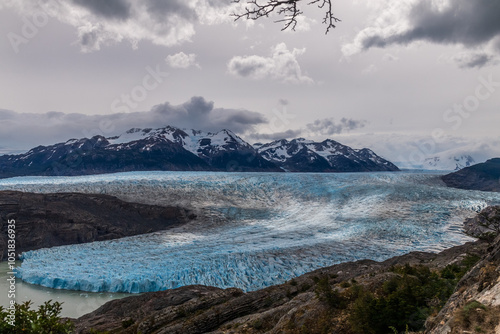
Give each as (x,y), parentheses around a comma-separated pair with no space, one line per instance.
(193,141)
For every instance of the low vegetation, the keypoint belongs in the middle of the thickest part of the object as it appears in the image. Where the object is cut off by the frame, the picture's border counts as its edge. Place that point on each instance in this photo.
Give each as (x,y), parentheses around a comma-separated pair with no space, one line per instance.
(400,303)
(24,319)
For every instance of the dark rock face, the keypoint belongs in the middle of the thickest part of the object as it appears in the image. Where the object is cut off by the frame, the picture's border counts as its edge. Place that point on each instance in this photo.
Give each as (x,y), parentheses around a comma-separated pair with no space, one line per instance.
(47,220)
(484,176)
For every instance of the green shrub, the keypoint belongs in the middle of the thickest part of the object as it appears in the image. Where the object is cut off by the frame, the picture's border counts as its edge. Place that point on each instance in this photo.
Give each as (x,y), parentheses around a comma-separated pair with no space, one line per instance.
(326,294)
(403,301)
(45,320)
(345,284)
(257,324)
(468,262)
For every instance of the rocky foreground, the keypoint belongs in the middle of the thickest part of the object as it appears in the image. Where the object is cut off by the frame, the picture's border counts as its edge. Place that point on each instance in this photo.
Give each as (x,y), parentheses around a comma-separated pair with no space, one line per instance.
(354,297)
(48,220)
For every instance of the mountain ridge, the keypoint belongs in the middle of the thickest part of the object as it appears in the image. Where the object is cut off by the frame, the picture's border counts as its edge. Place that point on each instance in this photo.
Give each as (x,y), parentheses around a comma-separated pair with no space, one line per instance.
(174,149)
(328,156)
(484,176)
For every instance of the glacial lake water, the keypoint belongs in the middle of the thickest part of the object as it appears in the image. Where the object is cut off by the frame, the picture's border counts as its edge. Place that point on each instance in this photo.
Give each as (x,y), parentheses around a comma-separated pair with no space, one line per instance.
(257,229)
(75,303)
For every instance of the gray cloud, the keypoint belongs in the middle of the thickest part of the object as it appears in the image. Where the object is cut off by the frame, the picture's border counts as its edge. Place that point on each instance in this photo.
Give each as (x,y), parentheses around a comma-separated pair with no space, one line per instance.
(289,134)
(201,114)
(461,22)
(24,130)
(161,9)
(113,9)
(478,60)
(318,128)
(182,60)
(283,102)
(99,23)
(282,65)
(328,126)
(464,22)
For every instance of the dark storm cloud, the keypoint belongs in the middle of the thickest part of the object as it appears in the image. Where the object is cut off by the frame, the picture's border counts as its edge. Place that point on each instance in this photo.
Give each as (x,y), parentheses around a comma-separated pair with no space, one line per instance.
(112,9)
(201,114)
(24,131)
(464,22)
(198,106)
(163,8)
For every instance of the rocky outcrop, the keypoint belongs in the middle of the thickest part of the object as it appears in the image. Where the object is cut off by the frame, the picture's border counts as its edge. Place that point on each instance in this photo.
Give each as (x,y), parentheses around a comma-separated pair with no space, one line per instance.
(292,307)
(475,305)
(484,176)
(485,225)
(47,220)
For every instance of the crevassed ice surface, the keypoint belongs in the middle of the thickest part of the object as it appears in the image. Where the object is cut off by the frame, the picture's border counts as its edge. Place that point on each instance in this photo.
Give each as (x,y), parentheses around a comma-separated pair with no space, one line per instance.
(257,229)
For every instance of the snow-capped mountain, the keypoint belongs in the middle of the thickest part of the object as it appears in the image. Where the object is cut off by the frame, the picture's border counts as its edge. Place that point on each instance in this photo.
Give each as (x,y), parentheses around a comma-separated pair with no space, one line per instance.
(222,150)
(97,155)
(449,162)
(301,155)
(171,148)
(166,148)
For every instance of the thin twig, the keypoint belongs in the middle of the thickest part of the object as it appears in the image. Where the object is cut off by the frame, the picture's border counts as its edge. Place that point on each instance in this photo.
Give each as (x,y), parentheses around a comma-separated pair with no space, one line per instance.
(288,9)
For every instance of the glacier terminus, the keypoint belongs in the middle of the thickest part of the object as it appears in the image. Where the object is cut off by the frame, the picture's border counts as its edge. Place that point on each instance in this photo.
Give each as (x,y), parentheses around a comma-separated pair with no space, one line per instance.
(254,229)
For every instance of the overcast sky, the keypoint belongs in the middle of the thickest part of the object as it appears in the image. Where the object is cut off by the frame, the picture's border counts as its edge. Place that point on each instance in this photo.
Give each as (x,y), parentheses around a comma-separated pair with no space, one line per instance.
(407,78)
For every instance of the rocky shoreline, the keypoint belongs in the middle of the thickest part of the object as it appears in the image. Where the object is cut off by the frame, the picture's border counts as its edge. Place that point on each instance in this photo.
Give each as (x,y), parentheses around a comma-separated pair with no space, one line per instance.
(48,220)
(298,306)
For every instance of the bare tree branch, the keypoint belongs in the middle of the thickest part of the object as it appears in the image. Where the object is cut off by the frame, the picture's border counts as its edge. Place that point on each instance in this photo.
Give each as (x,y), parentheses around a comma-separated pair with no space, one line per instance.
(288,9)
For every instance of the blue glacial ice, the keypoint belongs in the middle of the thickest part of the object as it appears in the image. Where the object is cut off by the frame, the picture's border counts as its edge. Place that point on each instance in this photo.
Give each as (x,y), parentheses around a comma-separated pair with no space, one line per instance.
(258,229)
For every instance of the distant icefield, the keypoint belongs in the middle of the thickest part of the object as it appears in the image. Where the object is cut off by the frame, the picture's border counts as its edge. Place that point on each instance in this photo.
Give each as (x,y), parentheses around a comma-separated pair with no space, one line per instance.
(255,229)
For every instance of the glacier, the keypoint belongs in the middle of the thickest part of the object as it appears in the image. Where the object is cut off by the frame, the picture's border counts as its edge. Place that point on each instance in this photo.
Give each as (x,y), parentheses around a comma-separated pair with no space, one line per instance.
(255,230)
